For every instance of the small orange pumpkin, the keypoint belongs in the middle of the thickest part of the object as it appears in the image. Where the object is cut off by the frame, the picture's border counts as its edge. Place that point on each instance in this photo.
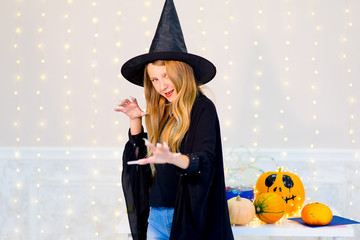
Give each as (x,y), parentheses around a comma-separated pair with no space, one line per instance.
(241,210)
(316,214)
(287,185)
(269,207)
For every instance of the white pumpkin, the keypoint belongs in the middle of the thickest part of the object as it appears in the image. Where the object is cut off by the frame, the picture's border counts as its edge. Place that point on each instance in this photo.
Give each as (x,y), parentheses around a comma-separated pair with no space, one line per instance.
(241,210)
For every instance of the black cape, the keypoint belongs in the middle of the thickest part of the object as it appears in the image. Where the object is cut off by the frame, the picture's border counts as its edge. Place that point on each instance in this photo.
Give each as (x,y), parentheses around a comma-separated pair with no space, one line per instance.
(201,210)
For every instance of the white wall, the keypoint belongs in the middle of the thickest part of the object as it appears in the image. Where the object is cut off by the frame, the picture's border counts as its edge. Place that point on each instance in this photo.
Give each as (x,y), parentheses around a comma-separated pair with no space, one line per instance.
(58,193)
(287,85)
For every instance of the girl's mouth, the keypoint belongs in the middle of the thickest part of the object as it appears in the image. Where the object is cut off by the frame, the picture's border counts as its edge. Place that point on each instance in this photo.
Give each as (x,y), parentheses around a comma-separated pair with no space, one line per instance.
(168,94)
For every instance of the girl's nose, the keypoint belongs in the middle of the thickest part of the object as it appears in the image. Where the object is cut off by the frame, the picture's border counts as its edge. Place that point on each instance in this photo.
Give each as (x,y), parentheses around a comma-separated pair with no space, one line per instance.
(164,84)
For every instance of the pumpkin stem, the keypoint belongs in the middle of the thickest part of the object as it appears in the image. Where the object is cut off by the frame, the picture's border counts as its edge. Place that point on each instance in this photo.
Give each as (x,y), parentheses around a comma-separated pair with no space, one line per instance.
(238,198)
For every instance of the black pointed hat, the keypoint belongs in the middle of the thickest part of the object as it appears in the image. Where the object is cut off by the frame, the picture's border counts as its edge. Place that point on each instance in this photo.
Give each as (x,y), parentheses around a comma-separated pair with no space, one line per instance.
(168,44)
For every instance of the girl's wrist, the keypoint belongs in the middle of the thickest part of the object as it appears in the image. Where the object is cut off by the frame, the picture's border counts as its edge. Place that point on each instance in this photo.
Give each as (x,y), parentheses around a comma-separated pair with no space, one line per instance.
(135,126)
(179,160)
(135,118)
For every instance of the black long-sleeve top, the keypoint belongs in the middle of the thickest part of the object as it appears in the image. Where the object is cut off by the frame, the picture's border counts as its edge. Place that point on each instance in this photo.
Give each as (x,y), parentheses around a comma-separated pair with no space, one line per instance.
(201,210)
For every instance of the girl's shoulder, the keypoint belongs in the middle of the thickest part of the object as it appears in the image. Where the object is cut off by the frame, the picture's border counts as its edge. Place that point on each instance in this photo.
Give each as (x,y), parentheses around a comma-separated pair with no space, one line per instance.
(202,103)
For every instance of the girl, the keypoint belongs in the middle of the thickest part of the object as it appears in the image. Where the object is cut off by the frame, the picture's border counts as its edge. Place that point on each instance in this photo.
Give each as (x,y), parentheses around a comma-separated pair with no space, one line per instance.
(173,176)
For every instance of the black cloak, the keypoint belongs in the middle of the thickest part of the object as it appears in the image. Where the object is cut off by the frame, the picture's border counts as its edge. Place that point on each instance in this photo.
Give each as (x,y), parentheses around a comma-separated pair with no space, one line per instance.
(201,210)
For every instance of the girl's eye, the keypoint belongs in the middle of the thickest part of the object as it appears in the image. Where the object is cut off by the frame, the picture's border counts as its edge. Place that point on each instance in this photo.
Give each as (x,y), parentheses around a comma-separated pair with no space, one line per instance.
(154,79)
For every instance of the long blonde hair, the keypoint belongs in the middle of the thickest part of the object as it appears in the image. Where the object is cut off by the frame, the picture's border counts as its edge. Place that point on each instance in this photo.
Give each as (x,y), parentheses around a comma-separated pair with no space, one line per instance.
(169,122)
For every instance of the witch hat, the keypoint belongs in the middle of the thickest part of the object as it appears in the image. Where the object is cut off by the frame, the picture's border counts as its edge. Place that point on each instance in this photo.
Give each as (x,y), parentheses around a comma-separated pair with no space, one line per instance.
(168,44)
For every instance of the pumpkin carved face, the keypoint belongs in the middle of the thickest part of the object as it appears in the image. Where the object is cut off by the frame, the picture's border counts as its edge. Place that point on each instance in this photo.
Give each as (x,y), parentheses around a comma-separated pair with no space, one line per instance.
(287,185)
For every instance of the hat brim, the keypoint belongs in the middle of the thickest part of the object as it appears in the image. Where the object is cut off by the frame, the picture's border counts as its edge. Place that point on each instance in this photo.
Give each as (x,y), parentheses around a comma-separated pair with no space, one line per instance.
(133,69)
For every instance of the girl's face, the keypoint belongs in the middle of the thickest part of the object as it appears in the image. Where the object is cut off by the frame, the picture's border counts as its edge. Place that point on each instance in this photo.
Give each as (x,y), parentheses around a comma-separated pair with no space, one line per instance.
(161,82)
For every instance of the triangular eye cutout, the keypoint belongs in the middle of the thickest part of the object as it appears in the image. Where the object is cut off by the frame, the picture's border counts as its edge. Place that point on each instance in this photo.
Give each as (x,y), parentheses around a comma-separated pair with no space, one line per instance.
(269,181)
(288,182)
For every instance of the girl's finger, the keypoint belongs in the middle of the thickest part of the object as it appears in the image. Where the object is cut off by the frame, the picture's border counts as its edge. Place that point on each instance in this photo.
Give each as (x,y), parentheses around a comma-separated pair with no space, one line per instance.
(117,109)
(122,102)
(133,162)
(125,101)
(149,145)
(143,114)
(139,162)
(166,147)
(132,99)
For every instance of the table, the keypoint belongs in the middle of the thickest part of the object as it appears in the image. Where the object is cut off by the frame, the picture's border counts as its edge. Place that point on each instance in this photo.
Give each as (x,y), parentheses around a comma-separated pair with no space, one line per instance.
(282,228)
(287,228)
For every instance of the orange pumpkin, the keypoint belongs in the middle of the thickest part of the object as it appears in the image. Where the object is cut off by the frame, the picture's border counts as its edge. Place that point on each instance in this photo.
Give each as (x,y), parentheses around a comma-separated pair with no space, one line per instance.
(287,185)
(241,210)
(269,207)
(316,214)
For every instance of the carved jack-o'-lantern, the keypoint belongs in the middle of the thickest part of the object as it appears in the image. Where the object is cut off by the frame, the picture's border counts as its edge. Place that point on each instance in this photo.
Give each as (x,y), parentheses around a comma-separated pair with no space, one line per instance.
(287,185)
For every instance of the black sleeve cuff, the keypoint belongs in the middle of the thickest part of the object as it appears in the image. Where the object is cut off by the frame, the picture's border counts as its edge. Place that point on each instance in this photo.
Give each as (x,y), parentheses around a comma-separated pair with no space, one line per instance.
(194,161)
(138,139)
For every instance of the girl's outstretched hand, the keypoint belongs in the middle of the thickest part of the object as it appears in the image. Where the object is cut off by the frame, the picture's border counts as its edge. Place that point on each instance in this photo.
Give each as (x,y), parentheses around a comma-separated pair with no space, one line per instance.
(130,107)
(161,154)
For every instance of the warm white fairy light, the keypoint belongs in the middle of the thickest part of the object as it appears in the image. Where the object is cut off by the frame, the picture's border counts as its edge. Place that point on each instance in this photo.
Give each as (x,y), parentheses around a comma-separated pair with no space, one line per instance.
(258,76)
(17,122)
(354,106)
(67,122)
(348,74)
(94,65)
(148,33)
(66,80)
(228,67)
(286,78)
(200,22)
(37,185)
(40,82)
(116,61)
(315,77)
(17,81)
(95,86)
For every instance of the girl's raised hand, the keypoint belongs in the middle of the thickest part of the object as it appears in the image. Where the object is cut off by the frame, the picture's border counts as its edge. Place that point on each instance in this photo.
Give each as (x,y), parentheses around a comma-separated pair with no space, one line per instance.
(130,107)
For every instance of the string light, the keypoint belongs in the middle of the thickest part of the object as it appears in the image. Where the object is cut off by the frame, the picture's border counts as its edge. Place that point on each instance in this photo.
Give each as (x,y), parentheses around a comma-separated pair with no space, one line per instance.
(348,75)
(116,91)
(315,77)
(38,93)
(95,86)
(202,29)
(68,137)
(95,78)
(228,80)
(17,123)
(147,29)
(258,76)
(314,91)
(352,131)
(286,79)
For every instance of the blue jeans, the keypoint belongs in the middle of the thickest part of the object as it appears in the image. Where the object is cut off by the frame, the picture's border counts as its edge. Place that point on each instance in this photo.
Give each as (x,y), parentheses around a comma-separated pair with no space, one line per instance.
(160,220)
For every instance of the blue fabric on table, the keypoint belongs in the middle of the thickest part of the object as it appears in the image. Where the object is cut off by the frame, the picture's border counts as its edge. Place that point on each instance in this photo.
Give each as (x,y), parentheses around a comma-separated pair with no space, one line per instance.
(244,193)
(336,221)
